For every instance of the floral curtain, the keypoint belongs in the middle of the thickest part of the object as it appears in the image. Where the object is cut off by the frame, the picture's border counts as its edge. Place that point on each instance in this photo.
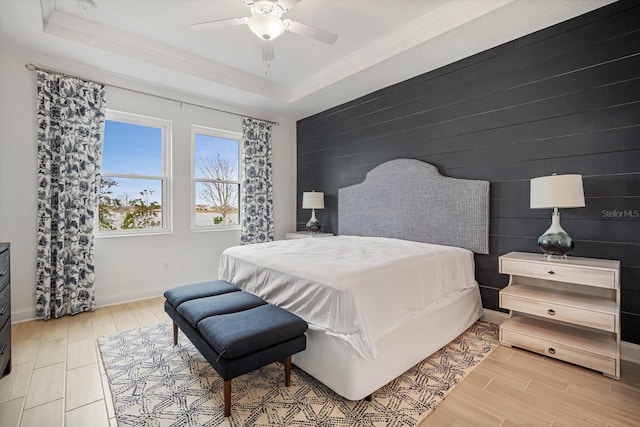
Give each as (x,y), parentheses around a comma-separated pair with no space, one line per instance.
(70,135)
(257,188)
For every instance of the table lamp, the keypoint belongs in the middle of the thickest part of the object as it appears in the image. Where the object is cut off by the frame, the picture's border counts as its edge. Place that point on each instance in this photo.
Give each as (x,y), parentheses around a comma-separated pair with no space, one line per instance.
(313,200)
(553,192)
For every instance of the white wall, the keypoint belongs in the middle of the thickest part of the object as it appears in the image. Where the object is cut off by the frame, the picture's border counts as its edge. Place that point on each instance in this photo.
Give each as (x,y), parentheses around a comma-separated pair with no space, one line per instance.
(127,268)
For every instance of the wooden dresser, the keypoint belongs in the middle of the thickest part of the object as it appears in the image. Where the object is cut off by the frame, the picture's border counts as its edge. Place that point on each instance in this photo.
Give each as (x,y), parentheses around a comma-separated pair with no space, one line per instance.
(567,309)
(5,310)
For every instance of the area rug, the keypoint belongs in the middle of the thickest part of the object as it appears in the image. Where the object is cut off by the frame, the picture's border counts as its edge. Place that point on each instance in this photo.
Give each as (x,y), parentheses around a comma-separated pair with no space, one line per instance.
(154,383)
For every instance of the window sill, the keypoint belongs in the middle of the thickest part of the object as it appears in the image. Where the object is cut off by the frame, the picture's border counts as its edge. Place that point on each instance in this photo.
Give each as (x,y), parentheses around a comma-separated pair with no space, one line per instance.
(219,228)
(133,234)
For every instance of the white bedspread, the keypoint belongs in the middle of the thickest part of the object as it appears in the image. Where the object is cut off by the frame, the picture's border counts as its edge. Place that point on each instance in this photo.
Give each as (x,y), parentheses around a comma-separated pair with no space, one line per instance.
(355,288)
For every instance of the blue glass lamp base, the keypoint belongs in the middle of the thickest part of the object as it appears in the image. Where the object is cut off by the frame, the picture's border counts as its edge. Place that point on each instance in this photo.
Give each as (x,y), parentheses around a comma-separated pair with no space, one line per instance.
(313,226)
(556,245)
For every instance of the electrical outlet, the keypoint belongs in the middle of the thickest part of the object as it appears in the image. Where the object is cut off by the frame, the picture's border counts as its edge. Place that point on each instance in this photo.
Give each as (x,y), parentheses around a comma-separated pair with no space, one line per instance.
(165,265)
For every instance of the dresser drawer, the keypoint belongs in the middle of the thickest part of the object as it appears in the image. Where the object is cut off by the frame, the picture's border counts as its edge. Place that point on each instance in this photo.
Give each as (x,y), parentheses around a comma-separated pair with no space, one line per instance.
(5,305)
(560,273)
(560,351)
(513,298)
(4,268)
(5,346)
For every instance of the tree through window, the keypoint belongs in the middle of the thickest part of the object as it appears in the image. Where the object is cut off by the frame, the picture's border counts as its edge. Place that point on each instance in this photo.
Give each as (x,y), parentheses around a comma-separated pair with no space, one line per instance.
(216,176)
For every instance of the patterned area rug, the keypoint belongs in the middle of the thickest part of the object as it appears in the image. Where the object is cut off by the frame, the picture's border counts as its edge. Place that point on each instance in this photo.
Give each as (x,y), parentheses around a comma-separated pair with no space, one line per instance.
(154,383)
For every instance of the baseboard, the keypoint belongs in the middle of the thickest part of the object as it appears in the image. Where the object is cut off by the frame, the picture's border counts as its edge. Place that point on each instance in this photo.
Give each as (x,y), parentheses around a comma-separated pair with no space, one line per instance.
(628,351)
(23,315)
(493,316)
(27,314)
(124,297)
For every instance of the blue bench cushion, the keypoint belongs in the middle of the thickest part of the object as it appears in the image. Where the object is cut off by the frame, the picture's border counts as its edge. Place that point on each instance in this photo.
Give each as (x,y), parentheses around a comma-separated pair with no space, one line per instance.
(197,309)
(239,334)
(180,294)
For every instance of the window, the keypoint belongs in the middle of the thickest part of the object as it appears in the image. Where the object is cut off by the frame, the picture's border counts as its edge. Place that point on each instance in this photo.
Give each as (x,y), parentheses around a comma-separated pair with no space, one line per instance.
(134,190)
(216,178)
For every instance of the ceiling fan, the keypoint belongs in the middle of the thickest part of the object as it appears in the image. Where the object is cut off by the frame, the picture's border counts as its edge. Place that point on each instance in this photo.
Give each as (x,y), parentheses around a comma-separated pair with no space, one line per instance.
(266,22)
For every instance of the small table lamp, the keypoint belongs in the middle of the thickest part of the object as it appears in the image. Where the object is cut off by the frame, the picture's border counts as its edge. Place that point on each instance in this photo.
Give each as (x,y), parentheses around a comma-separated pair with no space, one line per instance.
(556,191)
(313,200)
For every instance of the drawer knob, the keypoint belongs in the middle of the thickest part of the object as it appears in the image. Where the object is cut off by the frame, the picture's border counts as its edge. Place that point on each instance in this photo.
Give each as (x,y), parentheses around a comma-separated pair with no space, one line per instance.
(551,272)
(552,350)
(2,349)
(551,312)
(2,310)
(3,272)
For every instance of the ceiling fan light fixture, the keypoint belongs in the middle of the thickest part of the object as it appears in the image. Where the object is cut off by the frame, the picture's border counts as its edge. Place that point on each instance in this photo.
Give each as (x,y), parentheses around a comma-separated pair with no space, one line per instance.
(268,7)
(267,27)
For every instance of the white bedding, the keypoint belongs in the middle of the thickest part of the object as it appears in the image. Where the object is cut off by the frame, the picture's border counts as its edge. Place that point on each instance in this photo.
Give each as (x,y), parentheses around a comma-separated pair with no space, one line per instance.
(357,289)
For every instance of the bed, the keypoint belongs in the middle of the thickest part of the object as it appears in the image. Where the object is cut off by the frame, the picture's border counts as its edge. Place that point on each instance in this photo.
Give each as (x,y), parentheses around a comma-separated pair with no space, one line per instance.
(393,287)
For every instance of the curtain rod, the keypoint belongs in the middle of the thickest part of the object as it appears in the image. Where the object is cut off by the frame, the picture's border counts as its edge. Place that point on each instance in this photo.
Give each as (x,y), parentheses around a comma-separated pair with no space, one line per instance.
(32,67)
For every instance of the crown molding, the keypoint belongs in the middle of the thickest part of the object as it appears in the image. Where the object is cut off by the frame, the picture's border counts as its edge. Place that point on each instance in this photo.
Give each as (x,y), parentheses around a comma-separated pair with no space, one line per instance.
(141,49)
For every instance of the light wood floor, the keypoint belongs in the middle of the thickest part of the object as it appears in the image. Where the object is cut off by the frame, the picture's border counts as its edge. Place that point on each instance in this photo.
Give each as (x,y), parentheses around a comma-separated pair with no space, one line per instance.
(58,379)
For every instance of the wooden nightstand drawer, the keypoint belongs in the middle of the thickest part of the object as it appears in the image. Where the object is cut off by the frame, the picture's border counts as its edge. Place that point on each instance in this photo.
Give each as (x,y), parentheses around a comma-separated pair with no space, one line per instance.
(585,310)
(559,272)
(562,343)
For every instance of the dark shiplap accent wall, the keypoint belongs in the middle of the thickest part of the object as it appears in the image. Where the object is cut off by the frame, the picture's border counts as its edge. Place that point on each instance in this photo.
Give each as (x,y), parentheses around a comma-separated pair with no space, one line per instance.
(565,99)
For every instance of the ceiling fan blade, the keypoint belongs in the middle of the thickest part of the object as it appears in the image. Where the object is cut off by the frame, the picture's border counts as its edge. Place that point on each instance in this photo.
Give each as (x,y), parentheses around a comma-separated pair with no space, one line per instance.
(288,4)
(268,53)
(220,23)
(309,31)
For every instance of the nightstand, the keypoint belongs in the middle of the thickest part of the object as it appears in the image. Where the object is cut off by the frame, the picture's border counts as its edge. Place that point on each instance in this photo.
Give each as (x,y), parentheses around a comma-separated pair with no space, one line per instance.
(566,309)
(305,234)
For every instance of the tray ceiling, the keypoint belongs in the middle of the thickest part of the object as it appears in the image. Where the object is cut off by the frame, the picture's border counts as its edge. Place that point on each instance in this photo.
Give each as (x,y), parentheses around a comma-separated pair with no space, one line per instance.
(380,42)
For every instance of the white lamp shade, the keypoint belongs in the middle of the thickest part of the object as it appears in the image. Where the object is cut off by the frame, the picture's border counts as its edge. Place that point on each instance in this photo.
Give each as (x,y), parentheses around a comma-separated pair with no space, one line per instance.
(313,200)
(557,191)
(267,27)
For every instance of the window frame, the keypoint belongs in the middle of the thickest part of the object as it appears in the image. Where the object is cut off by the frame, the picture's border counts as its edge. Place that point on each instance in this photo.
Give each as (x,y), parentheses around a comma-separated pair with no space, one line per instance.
(166,201)
(216,133)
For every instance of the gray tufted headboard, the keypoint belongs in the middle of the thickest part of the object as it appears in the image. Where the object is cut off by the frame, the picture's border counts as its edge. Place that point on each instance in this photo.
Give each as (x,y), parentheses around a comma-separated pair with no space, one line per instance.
(409,199)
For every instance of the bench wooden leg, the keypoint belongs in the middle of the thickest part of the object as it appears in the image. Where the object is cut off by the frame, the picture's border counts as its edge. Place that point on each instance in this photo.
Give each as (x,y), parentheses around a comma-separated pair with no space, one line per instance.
(175,333)
(287,371)
(227,398)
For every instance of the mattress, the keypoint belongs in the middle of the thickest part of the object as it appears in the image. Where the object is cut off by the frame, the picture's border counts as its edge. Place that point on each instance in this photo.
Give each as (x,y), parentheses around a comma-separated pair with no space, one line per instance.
(356,289)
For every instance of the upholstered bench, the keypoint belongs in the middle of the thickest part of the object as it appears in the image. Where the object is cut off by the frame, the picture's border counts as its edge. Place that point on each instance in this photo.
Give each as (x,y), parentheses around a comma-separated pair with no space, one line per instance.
(235,331)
